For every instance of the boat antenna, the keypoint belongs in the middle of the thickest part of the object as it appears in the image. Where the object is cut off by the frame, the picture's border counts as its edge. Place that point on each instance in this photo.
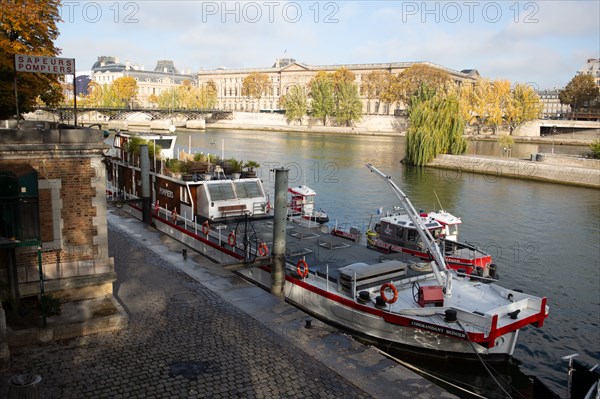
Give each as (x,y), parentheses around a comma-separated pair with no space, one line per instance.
(438,200)
(426,237)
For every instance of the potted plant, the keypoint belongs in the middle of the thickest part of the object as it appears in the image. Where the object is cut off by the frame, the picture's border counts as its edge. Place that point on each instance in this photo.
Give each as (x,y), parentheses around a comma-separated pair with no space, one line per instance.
(236,167)
(250,166)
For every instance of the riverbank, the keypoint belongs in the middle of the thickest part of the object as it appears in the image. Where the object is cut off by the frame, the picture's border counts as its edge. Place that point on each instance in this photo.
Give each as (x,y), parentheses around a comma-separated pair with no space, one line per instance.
(550,168)
(372,125)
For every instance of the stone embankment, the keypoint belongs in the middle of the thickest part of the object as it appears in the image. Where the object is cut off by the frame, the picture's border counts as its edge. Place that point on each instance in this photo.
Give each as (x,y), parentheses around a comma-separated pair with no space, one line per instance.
(368,125)
(548,168)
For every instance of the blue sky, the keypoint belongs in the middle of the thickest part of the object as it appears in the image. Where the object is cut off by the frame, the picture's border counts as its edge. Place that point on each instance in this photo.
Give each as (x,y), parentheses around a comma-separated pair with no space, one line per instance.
(542,43)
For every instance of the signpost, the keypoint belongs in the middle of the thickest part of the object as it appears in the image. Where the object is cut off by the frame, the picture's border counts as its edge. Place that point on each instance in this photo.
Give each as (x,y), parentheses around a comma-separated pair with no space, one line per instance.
(43,64)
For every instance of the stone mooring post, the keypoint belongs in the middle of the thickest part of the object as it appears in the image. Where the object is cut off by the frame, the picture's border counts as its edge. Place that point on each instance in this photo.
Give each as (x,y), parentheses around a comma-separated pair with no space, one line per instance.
(145,170)
(279,227)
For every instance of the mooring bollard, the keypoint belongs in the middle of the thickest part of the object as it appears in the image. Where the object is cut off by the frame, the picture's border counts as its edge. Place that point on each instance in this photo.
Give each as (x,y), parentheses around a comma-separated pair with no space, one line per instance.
(24,386)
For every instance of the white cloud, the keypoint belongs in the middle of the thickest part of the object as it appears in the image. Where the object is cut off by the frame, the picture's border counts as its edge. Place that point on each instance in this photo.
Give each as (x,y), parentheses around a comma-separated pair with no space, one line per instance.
(198,34)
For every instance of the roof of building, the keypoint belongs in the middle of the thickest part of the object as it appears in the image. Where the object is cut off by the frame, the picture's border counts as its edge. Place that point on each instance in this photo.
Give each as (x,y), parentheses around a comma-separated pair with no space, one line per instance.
(392,65)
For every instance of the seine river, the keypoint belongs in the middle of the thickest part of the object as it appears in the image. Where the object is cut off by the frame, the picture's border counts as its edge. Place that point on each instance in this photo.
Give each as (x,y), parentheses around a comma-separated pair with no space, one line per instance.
(544,237)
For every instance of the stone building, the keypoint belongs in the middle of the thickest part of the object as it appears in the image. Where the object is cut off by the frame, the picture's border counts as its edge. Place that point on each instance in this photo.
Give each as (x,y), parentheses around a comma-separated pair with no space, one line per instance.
(53,223)
(592,68)
(553,108)
(287,72)
(164,76)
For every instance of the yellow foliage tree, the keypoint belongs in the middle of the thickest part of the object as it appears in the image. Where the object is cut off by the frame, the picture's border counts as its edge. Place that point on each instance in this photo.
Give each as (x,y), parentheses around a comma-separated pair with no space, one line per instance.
(126,89)
(255,85)
(27,27)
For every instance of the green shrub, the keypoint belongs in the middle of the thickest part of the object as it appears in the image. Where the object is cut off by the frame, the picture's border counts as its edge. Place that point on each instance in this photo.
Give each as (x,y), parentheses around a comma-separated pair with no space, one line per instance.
(595,147)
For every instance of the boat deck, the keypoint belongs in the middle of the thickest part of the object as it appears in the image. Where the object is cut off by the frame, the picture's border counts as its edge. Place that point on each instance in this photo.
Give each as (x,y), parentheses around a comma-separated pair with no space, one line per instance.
(324,253)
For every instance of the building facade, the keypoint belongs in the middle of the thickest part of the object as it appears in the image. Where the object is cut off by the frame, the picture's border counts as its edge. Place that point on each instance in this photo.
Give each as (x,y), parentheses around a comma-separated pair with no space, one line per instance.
(592,68)
(553,108)
(150,83)
(286,72)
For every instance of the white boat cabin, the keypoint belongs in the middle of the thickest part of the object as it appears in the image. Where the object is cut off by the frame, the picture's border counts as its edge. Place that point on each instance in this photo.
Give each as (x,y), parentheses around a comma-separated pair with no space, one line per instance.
(224,198)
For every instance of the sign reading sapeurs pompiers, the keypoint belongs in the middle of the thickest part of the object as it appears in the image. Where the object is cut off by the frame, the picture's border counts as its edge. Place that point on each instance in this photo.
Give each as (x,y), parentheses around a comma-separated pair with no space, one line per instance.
(38,63)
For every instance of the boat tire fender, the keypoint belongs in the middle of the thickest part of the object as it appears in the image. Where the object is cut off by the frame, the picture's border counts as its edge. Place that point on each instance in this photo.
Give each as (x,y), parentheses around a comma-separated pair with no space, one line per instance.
(263,250)
(394,290)
(302,268)
(205,228)
(231,239)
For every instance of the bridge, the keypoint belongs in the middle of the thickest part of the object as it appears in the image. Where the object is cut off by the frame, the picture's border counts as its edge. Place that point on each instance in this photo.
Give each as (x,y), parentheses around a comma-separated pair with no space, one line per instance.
(146,114)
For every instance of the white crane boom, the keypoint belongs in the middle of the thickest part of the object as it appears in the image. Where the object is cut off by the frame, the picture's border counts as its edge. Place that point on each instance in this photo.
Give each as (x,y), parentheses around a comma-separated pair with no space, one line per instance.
(426,237)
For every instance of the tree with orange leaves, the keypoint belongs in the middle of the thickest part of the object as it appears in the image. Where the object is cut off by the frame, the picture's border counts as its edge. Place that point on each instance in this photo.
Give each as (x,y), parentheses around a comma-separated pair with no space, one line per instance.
(27,27)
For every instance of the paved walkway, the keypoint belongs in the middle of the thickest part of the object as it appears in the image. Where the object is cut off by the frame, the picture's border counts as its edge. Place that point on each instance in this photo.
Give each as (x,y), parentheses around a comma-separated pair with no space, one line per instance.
(186,340)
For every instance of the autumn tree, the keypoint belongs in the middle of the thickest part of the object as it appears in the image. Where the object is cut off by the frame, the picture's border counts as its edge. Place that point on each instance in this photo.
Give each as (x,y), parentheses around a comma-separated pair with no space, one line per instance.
(581,92)
(374,84)
(255,85)
(408,82)
(126,89)
(210,94)
(27,27)
(321,90)
(523,105)
(295,103)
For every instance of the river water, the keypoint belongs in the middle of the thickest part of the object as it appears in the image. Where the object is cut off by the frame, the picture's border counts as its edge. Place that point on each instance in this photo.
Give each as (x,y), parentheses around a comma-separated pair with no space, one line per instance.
(544,237)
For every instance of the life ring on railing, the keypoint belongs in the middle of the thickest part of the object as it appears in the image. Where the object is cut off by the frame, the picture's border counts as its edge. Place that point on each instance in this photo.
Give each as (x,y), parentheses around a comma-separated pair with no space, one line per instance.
(174,215)
(394,291)
(302,268)
(263,250)
(231,239)
(156,207)
(205,228)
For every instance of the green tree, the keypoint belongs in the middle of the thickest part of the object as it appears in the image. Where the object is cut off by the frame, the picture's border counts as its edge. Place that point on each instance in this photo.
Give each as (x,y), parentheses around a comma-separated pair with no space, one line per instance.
(171,98)
(295,104)
(27,28)
(322,99)
(435,126)
(126,89)
(581,92)
(348,107)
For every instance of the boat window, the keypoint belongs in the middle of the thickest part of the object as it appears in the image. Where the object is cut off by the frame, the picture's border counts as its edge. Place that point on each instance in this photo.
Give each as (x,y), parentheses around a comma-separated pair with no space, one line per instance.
(220,192)
(399,233)
(453,230)
(412,235)
(183,195)
(248,189)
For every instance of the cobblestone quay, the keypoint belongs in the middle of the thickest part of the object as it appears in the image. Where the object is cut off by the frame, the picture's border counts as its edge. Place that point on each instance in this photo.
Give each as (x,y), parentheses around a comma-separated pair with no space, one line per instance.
(198,331)
(183,341)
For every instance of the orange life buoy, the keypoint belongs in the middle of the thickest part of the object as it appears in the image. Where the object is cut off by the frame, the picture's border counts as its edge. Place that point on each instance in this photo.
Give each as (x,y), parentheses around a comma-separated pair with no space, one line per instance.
(302,268)
(231,239)
(205,228)
(263,250)
(174,215)
(394,291)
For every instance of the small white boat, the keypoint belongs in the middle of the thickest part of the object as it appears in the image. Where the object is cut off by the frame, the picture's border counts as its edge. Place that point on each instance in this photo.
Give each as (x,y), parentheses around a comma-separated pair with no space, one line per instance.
(302,204)
(398,233)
